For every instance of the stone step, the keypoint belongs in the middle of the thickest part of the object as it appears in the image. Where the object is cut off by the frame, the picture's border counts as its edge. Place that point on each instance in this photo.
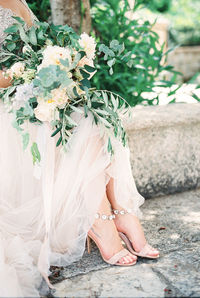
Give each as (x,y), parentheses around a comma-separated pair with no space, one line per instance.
(165,148)
(171,224)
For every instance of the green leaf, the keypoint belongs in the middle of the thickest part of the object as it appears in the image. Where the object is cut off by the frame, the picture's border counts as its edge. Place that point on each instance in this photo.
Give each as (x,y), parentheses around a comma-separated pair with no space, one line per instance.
(85,83)
(32,36)
(89,68)
(76,60)
(121,49)
(16,125)
(11,46)
(56,131)
(59,141)
(65,62)
(114,102)
(77,110)
(85,75)
(114,44)
(35,153)
(75,92)
(23,35)
(86,111)
(19,20)
(111,71)
(110,149)
(111,62)
(70,121)
(101,112)
(25,138)
(82,53)
(130,63)
(105,122)
(105,97)
(12,29)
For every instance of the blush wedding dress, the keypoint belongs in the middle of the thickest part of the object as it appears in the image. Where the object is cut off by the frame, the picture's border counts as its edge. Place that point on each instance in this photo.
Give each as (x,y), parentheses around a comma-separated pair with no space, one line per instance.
(46,211)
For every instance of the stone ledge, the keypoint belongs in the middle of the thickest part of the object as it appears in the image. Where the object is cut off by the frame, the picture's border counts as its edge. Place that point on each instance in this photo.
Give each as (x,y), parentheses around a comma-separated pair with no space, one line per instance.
(165,148)
(171,224)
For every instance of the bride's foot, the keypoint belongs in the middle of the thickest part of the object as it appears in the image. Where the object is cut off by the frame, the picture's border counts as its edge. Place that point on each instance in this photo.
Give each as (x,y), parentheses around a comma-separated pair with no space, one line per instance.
(106,237)
(131,232)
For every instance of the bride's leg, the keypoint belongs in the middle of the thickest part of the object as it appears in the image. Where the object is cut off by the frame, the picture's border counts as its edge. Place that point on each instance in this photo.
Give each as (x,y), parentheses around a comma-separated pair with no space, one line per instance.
(128,223)
(105,234)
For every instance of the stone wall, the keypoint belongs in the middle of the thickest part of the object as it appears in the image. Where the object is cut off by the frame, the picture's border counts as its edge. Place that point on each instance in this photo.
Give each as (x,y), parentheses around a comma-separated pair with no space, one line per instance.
(165,148)
(186,60)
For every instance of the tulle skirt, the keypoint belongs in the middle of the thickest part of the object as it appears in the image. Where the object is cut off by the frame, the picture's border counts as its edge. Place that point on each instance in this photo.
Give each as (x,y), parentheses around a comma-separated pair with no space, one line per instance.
(46,210)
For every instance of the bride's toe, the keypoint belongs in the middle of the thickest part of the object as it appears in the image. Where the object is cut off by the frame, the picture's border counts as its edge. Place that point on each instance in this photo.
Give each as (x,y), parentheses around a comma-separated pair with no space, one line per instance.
(125,260)
(128,259)
(153,251)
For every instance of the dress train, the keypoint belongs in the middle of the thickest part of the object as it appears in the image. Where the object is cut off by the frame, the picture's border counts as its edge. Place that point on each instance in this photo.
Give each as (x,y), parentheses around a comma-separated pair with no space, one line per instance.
(46,212)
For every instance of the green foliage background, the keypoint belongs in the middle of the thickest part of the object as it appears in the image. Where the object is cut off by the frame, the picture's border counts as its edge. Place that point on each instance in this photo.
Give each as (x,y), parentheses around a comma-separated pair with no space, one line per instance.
(132,80)
(184,17)
(41,8)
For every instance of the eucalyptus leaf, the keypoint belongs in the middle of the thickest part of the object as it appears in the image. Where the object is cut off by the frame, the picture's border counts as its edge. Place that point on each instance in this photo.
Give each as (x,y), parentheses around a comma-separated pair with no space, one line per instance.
(77,110)
(105,97)
(35,153)
(26,139)
(70,120)
(32,36)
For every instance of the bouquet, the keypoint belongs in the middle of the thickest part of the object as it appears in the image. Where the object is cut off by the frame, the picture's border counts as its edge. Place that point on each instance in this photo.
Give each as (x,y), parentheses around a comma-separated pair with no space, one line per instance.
(50,67)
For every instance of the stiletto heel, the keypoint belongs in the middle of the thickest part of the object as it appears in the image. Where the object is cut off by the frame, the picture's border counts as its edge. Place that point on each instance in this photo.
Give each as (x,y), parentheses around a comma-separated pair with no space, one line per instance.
(88,245)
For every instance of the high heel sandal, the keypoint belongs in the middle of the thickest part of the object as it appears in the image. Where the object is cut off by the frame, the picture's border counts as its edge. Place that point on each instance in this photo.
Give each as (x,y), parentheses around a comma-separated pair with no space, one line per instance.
(114,260)
(144,252)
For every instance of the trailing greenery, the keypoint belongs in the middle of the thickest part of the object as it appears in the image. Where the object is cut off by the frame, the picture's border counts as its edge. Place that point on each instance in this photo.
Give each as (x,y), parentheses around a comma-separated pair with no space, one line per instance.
(146,69)
(51,67)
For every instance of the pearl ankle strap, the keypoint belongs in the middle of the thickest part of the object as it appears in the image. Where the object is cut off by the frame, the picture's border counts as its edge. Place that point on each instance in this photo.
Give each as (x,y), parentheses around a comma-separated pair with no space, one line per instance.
(104,216)
(122,211)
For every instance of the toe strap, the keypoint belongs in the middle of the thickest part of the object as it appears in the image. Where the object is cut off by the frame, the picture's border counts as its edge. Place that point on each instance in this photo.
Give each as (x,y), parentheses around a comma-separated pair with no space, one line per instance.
(146,250)
(122,253)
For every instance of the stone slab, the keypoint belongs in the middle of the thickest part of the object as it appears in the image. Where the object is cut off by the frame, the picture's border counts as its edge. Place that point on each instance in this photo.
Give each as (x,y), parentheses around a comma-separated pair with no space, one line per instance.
(165,148)
(114,282)
(171,223)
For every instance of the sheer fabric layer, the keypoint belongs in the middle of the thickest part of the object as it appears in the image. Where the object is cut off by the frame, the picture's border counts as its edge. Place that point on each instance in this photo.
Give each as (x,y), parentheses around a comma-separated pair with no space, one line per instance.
(45,212)
(80,176)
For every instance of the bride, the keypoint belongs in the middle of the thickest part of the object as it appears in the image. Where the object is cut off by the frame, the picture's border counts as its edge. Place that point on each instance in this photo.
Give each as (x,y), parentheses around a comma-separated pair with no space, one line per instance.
(88,194)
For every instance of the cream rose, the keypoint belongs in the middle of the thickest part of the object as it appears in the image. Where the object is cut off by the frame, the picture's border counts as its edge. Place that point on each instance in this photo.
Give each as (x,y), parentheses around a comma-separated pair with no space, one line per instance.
(88,44)
(45,111)
(59,96)
(52,56)
(16,70)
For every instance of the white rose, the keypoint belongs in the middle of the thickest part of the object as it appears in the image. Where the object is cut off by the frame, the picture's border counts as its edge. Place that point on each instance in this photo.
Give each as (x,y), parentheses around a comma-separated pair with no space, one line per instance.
(88,44)
(16,70)
(45,111)
(52,56)
(59,96)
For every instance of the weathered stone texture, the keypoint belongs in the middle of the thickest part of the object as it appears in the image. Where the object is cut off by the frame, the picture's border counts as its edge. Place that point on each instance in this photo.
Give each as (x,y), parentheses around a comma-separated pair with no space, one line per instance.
(165,148)
(171,224)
